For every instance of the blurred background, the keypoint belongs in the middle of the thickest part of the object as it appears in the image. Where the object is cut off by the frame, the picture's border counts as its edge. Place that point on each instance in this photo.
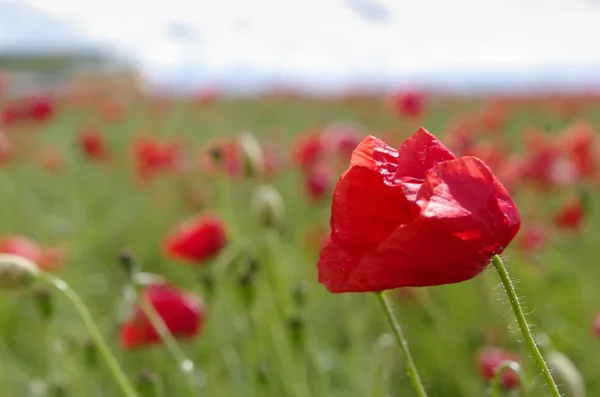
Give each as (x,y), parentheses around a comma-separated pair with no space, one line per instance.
(187,151)
(320,46)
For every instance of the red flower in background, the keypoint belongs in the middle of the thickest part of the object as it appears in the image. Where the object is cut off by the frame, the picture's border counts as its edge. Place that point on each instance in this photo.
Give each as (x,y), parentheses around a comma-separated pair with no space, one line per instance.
(531,238)
(342,138)
(93,145)
(570,215)
(153,156)
(488,359)
(183,315)
(196,240)
(577,143)
(318,181)
(408,104)
(308,150)
(224,155)
(39,108)
(417,216)
(46,258)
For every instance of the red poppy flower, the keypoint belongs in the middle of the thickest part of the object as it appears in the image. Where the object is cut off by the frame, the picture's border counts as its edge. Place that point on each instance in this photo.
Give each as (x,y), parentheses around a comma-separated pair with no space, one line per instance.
(196,240)
(153,156)
(93,145)
(531,238)
(577,144)
(408,104)
(318,182)
(488,359)
(308,150)
(46,258)
(570,215)
(39,108)
(224,155)
(417,216)
(342,138)
(182,313)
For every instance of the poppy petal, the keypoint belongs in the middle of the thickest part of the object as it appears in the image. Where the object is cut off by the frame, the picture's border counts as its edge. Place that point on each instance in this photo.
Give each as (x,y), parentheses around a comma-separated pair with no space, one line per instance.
(419,153)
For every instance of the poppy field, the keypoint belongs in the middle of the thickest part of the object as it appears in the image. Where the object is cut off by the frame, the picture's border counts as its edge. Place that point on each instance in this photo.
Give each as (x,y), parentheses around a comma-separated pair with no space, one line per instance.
(212,245)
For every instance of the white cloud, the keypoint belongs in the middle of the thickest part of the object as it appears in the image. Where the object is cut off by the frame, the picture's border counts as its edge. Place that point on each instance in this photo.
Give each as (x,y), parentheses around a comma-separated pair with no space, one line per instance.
(330,39)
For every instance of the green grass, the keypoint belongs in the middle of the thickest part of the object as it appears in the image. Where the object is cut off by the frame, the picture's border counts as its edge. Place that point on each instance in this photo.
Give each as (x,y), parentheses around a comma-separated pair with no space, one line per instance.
(340,345)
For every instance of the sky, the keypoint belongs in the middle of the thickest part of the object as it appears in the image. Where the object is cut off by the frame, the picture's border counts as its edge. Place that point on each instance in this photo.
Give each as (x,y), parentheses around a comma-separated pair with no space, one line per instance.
(324,43)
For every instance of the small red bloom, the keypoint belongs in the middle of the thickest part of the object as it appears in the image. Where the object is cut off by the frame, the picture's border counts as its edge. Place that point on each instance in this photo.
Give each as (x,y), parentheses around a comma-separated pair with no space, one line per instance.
(342,138)
(417,216)
(308,150)
(488,359)
(570,215)
(39,108)
(196,240)
(46,258)
(182,313)
(93,145)
(224,155)
(531,238)
(577,144)
(408,104)
(318,182)
(153,156)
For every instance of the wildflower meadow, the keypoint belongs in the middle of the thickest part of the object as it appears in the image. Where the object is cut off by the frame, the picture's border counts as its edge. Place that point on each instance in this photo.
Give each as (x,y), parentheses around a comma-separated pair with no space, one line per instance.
(288,245)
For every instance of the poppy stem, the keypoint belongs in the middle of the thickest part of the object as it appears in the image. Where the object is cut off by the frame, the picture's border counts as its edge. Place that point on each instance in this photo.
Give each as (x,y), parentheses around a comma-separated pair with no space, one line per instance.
(524,325)
(413,373)
(508,366)
(85,315)
(185,364)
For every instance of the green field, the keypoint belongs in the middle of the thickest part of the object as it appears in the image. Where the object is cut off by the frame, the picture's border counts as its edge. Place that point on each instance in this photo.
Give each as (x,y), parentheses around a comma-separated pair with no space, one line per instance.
(280,334)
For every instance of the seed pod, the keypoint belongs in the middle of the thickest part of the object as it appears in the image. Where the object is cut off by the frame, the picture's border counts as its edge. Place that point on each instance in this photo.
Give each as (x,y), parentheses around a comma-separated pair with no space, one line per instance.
(16,272)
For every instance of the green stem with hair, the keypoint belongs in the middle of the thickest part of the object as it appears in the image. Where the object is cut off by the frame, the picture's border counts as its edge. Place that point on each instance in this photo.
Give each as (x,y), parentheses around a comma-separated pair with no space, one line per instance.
(411,368)
(85,315)
(524,326)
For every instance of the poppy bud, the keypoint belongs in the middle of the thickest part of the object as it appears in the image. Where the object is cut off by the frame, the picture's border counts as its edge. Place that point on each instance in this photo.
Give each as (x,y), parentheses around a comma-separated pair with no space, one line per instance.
(569,379)
(268,207)
(299,295)
(208,282)
(262,375)
(252,153)
(43,297)
(90,353)
(56,389)
(246,283)
(127,263)
(149,385)
(16,272)
(296,327)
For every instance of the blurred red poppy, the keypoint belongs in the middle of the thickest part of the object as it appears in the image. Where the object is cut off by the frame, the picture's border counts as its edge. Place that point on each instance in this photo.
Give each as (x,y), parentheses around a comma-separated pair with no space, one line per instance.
(224,155)
(531,238)
(196,240)
(408,104)
(153,156)
(570,215)
(577,143)
(318,181)
(488,359)
(417,216)
(308,150)
(46,258)
(93,145)
(182,313)
(39,108)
